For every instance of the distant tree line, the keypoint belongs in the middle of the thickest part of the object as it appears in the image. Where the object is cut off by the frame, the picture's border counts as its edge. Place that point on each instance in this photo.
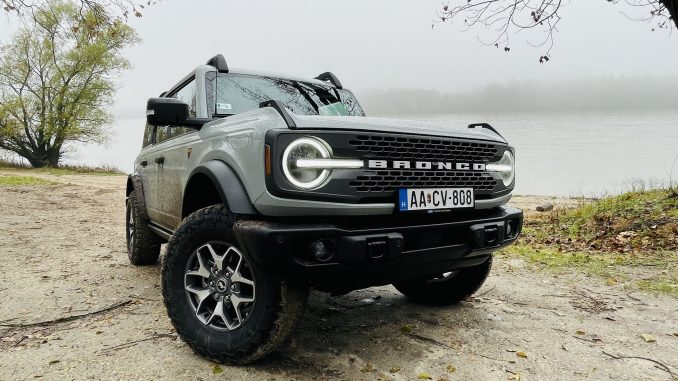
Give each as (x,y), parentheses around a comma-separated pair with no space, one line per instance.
(604,93)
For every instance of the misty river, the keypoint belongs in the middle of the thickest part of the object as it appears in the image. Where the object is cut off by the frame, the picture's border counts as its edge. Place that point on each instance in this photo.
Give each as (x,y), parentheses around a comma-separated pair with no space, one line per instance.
(557,153)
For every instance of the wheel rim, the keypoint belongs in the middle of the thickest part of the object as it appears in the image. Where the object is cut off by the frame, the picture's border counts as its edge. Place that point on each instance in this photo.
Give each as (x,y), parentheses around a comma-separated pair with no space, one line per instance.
(219,285)
(444,277)
(130,228)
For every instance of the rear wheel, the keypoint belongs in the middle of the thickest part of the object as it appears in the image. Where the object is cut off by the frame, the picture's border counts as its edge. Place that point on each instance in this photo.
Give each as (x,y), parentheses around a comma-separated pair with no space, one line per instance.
(143,246)
(221,303)
(448,288)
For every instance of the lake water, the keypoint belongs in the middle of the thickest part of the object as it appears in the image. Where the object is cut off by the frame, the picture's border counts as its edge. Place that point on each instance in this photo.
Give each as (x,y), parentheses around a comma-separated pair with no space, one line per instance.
(565,154)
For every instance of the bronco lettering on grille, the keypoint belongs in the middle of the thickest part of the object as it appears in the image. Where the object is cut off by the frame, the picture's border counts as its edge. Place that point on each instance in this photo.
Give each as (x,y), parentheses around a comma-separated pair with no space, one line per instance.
(436,165)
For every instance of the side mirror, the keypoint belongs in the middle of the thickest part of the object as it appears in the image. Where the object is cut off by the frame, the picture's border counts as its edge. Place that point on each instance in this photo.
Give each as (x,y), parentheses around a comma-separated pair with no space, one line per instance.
(166,111)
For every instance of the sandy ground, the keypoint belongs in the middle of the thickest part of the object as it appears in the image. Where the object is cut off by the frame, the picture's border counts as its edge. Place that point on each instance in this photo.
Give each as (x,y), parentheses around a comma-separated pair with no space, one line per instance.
(63,254)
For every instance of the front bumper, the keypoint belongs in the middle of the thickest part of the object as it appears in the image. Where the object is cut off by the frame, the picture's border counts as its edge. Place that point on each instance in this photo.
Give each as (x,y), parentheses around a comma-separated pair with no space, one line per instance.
(376,252)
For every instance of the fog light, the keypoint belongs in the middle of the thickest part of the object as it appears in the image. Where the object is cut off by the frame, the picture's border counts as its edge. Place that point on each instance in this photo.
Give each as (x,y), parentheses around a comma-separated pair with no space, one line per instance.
(510,229)
(323,250)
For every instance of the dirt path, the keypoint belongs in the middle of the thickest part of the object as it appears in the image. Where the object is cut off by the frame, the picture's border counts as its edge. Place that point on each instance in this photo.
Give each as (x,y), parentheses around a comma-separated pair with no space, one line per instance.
(62,253)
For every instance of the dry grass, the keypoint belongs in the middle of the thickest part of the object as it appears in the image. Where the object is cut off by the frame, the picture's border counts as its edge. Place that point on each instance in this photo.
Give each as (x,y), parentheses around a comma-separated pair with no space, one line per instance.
(61,170)
(608,237)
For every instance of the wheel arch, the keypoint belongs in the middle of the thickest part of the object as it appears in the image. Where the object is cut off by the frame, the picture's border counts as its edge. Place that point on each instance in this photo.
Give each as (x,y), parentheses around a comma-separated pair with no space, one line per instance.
(212,183)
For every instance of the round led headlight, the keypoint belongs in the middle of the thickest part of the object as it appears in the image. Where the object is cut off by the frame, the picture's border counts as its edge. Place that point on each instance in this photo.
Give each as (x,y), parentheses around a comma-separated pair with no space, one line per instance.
(505,167)
(305,148)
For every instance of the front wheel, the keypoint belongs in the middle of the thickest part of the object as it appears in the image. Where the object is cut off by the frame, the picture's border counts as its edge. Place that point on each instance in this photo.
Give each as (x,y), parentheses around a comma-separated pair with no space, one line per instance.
(448,288)
(221,303)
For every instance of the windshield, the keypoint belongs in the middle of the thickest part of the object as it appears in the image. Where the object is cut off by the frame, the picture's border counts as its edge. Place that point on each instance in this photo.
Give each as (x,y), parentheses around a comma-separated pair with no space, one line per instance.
(236,93)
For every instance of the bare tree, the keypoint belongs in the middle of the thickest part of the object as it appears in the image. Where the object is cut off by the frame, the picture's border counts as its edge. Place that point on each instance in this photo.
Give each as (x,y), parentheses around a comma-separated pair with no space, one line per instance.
(105,11)
(504,18)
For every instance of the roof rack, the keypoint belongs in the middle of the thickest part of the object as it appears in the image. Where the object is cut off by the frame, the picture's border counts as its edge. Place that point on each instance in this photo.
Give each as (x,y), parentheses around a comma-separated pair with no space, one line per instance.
(486,126)
(218,62)
(328,76)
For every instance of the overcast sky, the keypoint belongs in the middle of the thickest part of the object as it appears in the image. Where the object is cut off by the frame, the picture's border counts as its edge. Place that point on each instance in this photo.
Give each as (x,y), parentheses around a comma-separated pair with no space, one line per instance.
(376,44)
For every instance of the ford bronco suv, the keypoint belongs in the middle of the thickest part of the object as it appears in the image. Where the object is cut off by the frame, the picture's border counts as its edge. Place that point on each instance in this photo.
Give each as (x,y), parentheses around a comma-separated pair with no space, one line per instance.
(264,186)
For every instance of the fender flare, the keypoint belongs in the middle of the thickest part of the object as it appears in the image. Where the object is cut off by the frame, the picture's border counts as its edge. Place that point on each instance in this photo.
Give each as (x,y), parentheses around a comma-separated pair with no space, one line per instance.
(134,184)
(228,184)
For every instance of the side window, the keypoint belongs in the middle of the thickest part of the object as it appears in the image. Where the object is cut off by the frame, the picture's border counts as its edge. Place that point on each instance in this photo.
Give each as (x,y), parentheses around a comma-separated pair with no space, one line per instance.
(148,135)
(187,95)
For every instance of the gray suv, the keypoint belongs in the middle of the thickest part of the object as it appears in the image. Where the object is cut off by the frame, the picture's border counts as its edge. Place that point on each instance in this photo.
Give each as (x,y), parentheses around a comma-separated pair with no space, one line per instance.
(264,186)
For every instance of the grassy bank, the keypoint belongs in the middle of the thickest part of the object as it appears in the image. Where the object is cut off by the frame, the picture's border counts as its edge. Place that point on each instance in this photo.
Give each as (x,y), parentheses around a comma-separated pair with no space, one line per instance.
(61,170)
(13,181)
(631,239)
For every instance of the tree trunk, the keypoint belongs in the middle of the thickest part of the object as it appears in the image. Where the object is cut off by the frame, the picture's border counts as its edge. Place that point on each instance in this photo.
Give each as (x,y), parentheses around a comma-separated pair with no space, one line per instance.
(53,156)
(672,7)
(36,162)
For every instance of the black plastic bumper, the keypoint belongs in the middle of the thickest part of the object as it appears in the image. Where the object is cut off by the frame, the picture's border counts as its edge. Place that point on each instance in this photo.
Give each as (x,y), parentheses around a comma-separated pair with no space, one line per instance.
(382,253)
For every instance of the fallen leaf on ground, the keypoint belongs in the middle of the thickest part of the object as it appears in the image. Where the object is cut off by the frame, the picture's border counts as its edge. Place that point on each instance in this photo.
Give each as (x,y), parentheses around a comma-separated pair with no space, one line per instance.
(395,369)
(216,369)
(450,368)
(368,368)
(515,377)
(407,328)
(424,376)
(51,362)
(580,333)
(521,354)
(648,338)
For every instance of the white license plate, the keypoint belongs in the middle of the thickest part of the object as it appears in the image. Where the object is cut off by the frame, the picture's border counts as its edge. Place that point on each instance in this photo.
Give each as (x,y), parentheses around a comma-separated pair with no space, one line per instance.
(435,198)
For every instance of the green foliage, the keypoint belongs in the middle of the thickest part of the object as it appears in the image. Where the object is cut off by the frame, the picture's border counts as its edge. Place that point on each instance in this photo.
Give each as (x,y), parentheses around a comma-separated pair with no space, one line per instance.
(609,238)
(634,221)
(22,181)
(660,269)
(57,81)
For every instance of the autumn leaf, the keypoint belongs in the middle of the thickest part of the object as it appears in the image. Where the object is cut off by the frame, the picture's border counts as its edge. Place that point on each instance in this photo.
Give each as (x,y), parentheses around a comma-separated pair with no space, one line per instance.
(368,368)
(216,369)
(407,328)
(424,376)
(648,338)
(395,369)
(521,354)
(580,333)
(450,368)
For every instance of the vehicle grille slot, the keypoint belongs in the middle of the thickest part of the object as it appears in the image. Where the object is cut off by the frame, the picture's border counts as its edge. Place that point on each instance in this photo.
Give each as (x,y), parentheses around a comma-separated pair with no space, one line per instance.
(391,180)
(398,147)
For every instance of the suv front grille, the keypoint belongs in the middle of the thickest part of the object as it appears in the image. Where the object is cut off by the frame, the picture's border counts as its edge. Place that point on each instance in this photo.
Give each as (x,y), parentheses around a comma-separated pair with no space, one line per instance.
(391,180)
(403,147)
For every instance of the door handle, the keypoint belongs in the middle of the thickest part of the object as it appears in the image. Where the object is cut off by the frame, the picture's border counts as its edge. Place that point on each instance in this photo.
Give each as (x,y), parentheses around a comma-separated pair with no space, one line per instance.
(160,160)
(144,163)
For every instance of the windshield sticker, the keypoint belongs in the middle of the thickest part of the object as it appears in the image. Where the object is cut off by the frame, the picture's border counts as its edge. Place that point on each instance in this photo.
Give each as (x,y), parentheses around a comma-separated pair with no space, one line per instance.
(224,106)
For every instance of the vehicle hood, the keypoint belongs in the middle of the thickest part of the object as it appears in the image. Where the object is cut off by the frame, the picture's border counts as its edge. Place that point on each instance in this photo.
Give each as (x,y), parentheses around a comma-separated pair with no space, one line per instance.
(357,123)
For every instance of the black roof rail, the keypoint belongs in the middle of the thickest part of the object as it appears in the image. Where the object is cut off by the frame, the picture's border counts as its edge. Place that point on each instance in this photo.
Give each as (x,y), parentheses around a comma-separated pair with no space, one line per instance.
(219,62)
(280,108)
(328,76)
(486,126)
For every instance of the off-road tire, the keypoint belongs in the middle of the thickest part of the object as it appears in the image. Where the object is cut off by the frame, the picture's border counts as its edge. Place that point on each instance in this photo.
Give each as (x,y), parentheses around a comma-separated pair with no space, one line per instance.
(145,246)
(278,303)
(443,292)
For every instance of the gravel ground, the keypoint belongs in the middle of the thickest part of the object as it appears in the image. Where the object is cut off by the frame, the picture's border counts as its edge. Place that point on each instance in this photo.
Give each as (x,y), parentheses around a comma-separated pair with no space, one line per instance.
(63,255)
